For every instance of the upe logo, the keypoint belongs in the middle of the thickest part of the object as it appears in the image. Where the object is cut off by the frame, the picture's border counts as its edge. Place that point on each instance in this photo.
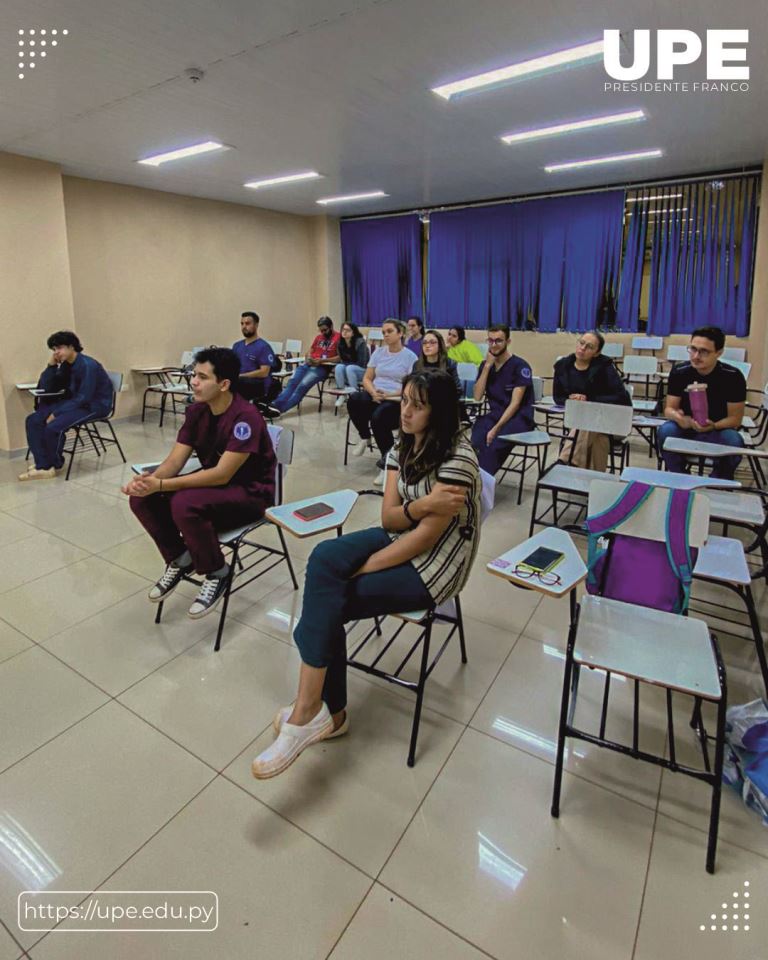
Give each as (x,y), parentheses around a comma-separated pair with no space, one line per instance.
(676,48)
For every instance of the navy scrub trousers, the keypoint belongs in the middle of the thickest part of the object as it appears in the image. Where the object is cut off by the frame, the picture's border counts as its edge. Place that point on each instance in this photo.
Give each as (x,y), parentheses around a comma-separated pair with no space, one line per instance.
(333,597)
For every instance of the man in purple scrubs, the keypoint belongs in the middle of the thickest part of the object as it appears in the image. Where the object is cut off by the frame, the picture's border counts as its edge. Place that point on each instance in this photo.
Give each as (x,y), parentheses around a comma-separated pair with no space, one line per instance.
(256,360)
(507,383)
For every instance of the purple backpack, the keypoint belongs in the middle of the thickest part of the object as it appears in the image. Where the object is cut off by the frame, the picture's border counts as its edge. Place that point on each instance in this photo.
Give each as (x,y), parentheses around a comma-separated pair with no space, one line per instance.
(636,570)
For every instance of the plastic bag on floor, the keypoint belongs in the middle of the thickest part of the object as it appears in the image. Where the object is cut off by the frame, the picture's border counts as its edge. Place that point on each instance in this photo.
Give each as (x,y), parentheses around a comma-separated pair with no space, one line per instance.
(746,755)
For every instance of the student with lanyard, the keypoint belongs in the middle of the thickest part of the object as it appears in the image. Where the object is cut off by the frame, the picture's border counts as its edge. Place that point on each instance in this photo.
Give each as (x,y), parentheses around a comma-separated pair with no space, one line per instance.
(415,335)
(322,357)
(377,406)
(726,394)
(256,360)
(507,383)
(421,555)
(235,486)
(90,394)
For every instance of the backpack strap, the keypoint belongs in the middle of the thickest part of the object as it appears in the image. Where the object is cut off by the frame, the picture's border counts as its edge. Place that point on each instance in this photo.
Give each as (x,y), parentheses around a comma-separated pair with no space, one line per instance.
(678,521)
(631,498)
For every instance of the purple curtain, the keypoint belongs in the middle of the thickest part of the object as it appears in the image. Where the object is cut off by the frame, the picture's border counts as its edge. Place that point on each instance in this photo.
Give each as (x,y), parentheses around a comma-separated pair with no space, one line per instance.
(539,263)
(381,263)
(702,256)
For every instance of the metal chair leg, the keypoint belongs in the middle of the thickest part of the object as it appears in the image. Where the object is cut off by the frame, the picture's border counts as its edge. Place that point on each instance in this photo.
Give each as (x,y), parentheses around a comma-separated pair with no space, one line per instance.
(420,691)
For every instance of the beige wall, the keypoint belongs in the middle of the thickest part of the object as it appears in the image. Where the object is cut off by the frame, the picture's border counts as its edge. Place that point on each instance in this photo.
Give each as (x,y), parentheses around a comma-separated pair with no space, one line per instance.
(35,292)
(154,274)
(143,275)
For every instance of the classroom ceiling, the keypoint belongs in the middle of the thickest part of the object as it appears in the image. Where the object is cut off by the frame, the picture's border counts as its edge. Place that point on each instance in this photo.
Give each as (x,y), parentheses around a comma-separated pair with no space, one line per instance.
(343,87)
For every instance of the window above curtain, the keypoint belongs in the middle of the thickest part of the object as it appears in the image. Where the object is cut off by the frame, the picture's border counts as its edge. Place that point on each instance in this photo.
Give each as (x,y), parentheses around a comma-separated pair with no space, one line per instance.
(381,262)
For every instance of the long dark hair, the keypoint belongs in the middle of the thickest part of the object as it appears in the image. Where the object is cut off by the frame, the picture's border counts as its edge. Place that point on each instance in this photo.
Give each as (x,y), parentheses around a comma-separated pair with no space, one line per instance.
(438,390)
(356,335)
(442,354)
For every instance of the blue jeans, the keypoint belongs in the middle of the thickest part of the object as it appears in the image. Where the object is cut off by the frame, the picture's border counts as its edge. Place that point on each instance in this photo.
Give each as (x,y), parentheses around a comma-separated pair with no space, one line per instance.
(348,375)
(45,440)
(302,381)
(722,467)
(333,596)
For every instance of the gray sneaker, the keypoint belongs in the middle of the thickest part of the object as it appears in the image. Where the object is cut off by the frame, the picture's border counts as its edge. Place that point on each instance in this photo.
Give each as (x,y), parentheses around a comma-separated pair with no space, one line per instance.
(168,582)
(212,590)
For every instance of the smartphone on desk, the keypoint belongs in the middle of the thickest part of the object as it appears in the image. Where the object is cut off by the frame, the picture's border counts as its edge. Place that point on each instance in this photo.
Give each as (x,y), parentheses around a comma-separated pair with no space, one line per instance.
(542,560)
(313,512)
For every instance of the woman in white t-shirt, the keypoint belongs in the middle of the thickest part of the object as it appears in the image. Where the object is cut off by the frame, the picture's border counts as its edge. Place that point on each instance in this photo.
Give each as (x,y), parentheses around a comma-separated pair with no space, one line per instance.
(376,408)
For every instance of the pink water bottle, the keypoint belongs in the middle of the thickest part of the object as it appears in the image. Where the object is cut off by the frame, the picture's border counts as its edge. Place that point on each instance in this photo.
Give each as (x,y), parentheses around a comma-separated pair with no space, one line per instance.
(697,396)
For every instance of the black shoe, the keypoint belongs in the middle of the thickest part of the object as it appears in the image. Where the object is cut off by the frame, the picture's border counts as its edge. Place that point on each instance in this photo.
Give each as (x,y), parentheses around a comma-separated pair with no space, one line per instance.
(168,582)
(381,463)
(211,591)
(271,412)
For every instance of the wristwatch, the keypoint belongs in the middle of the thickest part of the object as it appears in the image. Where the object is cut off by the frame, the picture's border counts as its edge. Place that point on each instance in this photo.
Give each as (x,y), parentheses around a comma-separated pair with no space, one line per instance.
(407,512)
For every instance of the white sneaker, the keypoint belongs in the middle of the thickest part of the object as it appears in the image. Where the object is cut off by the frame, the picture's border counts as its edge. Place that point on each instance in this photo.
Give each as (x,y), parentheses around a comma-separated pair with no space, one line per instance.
(283,713)
(34,474)
(340,401)
(380,478)
(291,740)
(168,582)
(360,447)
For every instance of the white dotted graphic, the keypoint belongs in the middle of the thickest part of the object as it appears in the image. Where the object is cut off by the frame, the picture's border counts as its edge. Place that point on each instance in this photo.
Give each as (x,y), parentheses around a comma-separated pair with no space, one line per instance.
(26,57)
(736,917)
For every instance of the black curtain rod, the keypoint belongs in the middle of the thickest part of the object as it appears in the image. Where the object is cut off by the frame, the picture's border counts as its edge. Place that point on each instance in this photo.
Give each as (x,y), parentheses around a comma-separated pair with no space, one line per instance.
(631,185)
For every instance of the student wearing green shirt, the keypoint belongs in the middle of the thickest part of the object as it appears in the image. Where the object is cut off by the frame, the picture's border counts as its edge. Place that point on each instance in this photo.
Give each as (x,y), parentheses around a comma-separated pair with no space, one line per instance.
(462,350)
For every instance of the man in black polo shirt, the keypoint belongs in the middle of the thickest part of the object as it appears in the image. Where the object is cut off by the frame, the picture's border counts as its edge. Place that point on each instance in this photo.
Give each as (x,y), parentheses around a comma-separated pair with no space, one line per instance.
(726,393)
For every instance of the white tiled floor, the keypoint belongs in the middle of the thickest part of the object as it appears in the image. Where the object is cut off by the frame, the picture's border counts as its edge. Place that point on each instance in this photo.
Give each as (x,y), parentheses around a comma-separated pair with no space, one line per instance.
(126,747)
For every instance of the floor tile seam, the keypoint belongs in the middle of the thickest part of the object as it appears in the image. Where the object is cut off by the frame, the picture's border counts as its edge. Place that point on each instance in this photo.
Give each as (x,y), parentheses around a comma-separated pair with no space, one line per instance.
(495,678)
(420,804)
(19,630)
(91,616)
(4,926)
(160,666)
(648,864)
(130,857)
(18,653)
(579,776)
(720,839)
(55,736)
(296,826)
(50,573)
(349,922)
(440,923)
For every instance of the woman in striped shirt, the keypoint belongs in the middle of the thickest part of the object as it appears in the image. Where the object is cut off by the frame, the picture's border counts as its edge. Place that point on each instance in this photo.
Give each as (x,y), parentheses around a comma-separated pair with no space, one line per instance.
(420,556)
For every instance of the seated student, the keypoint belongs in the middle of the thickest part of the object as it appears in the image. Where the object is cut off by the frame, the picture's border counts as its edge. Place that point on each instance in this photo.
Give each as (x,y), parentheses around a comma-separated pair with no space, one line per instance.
(377,406)
(256,360)
(462,350)
(507,382)
(322,357)
(421,555)
(726,394)
(434,356)
(587,375)
(353,359)
(415,329)
(90,394)
(234,487)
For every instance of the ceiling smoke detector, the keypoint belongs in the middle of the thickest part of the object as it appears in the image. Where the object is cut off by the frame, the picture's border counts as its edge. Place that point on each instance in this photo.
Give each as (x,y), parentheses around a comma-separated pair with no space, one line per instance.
(194,74)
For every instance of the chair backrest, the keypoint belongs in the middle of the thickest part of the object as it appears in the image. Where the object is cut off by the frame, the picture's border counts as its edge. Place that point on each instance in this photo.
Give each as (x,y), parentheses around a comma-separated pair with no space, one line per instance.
(677,353)
(598,417)
(375,335)
(538,388)
(293,346)
(734,353)
(117,380)
(649,521)
(487,494)
(188,358)
(613,350)
(466,371)
(282,441)
(741,365)
(642,365)
(483,348)
(647,343)
(276,346)
(630,388)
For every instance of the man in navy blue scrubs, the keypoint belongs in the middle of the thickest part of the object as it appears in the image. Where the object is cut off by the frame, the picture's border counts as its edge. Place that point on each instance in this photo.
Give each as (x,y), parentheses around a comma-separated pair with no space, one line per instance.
(90,395)
(507,383)
(256,360)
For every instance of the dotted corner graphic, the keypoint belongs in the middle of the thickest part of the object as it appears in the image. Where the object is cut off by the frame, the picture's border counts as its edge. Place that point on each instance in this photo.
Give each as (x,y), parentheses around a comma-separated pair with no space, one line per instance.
(33,46)
(735,922)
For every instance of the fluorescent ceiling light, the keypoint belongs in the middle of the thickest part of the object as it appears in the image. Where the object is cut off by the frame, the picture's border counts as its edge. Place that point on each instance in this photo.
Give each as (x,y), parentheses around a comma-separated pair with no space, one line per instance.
(552,61)
(656,196)
(573,126)
(353,196)
(288,178)
(183,152)
(595,161)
